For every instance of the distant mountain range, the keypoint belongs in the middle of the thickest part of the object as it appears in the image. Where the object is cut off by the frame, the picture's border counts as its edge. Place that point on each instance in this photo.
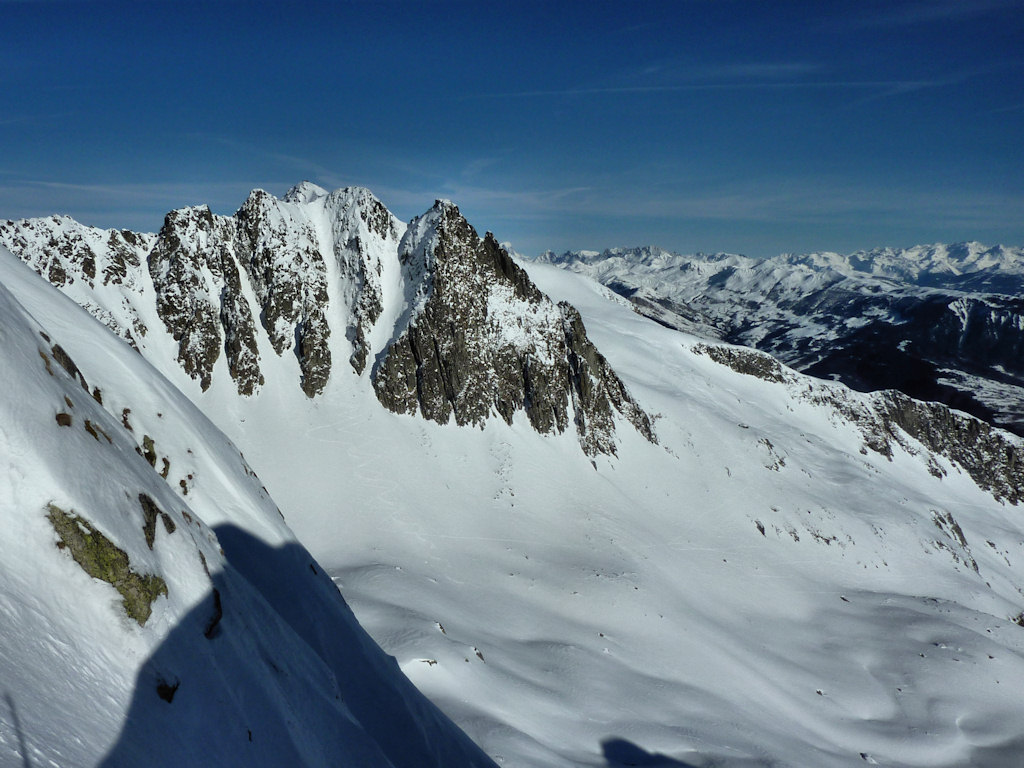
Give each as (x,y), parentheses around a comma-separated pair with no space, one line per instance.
(943,323)
(569,536)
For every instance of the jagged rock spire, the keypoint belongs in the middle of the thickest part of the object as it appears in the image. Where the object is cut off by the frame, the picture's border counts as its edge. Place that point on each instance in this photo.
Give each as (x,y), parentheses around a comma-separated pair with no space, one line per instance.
(481,340)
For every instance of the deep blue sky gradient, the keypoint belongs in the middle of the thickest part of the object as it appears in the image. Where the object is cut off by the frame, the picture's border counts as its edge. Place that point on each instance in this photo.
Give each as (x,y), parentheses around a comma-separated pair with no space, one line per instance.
(700,125)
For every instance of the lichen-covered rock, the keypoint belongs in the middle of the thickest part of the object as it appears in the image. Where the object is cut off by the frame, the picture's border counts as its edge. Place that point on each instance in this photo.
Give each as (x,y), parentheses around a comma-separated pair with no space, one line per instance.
(102,559)
(481,339)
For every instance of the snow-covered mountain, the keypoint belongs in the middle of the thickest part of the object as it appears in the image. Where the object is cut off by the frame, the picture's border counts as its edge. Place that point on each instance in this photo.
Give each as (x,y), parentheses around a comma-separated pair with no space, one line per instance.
(156,608)
(937,322)
(453,327)
(671,551)
(968,267)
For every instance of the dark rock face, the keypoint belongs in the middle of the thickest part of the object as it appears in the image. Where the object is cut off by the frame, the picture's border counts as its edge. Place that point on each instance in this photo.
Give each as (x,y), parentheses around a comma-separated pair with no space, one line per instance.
(744,361)
(994,462)
(941,345)
(199,293)
(477,338)
(482,339)
(288,275)
(368,306)
(202,268)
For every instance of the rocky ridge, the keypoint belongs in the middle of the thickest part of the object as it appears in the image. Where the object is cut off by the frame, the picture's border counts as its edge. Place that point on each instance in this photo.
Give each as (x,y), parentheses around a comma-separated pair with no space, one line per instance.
(454,329)
(194,268)
(480,339)
(211,276)
(889,419)
(102,270)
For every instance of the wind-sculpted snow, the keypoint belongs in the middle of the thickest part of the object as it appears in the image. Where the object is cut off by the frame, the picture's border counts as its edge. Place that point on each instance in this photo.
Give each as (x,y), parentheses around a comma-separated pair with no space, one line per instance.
(481,339)
(938,322)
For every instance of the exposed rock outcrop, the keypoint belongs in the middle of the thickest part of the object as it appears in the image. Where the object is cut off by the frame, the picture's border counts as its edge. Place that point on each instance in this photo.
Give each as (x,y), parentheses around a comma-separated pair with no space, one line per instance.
(365,235)
(102,559)
(281,254)
(199,297)
(481,339)
(65,252)
(994,459)
(454,329)
(86,261)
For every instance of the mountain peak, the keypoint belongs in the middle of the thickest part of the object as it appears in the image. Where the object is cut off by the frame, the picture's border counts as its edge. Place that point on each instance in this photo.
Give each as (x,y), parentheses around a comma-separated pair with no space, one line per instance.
(304,192)
(480,339)
(319,273)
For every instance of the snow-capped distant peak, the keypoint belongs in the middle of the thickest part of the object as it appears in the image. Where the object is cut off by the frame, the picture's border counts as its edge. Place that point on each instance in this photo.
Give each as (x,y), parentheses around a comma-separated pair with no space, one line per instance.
(305,192)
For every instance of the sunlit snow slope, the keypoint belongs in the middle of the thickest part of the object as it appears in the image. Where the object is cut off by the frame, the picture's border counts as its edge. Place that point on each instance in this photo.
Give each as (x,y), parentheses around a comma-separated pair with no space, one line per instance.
(794,574)
(148,621)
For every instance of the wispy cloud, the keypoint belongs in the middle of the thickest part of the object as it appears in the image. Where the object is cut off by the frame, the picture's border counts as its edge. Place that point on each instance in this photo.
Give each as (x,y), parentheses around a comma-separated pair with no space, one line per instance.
(35,119)
(745,76)
(762,219)
(494,202)
(934,11)
(887,87)
(535,217)
(185,193)
(301,165)
(803,200)
(756,71)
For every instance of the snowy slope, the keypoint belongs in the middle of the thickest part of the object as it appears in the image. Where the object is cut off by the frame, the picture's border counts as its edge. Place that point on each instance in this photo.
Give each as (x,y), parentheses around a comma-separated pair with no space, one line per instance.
(243,654)
(937,322)
(795,574)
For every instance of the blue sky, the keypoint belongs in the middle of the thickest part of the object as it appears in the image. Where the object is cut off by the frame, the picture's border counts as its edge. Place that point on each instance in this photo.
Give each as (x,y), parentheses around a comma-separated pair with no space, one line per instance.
(703,125)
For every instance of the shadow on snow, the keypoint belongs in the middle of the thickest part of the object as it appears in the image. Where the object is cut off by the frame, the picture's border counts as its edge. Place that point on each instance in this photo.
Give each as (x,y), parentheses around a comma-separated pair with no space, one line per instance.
(620,753)
(272,668)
